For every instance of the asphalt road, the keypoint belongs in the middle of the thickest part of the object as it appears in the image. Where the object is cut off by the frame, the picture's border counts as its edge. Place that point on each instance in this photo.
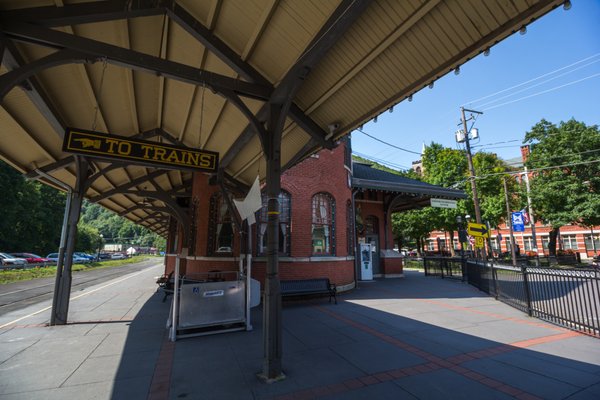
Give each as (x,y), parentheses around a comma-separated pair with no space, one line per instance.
(14,296)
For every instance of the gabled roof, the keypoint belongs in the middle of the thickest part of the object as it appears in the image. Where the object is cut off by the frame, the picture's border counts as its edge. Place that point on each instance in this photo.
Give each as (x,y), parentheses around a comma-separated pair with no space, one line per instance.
(416,193)
(203,74)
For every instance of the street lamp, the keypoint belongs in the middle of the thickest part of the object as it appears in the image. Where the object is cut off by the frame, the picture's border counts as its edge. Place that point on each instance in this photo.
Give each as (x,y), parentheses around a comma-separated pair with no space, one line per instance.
(100,247)
(462,234)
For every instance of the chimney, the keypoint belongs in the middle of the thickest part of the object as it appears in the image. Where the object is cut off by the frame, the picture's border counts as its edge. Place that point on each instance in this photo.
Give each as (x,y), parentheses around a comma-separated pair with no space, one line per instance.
(525,150)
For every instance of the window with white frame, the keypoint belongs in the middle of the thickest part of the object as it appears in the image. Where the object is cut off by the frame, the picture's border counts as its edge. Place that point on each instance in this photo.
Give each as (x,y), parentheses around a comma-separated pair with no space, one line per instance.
(494,242)
(545,242)
(528,243)
(430,245)
(569,242)
(595,246)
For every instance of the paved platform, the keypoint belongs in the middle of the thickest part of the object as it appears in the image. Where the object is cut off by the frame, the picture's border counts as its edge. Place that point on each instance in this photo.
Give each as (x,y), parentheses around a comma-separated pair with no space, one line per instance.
(410,338)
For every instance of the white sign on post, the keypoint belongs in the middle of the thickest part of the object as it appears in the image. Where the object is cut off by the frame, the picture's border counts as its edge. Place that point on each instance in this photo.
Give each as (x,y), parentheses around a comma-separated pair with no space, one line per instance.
(443,203)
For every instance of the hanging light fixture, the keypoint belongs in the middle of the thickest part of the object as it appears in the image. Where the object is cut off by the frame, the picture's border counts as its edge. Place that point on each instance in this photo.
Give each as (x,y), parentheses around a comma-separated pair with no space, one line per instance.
(523,30)
(567,5)
(486,52)
(457,70)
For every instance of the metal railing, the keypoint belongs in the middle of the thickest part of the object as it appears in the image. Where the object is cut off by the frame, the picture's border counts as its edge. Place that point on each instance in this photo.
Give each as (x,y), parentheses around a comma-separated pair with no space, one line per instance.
(444,267)
(566,297)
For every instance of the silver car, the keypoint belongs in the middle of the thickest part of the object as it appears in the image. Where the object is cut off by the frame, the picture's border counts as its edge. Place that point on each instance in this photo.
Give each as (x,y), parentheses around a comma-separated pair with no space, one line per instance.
(53,257)
(7,259)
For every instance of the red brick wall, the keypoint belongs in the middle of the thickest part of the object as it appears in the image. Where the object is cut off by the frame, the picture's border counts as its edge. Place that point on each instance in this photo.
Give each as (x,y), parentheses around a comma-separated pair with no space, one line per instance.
(315,175)
(338,272)
(391,265)
(325,173)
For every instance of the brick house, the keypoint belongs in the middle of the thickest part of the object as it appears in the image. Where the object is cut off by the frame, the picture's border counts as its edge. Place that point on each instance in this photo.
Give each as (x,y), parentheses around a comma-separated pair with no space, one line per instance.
(321,200)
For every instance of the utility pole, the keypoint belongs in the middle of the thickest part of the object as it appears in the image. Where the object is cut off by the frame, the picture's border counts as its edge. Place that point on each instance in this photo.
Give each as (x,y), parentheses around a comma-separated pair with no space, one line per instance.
(471,168)
(509,223)
(531,218)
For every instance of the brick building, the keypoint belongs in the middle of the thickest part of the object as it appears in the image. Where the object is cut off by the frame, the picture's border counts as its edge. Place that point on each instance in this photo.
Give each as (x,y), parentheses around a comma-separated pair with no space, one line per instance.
(328,205)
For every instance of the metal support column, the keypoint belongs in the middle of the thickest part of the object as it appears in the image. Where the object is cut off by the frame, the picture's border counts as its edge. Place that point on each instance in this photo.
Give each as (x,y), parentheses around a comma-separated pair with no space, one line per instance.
(272,331)
(62,291)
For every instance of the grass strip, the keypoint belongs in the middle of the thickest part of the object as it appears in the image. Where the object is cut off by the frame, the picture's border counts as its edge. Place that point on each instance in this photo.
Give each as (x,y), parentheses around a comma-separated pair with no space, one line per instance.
(16,275)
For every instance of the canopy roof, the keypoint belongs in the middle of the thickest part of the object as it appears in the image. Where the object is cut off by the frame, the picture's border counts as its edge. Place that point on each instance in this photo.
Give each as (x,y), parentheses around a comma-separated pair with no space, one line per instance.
(410,193)
(200,73)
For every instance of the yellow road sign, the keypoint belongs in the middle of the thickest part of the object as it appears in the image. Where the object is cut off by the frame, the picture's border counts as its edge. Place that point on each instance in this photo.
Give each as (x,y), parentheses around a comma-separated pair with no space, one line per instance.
(477,230)
(479,242)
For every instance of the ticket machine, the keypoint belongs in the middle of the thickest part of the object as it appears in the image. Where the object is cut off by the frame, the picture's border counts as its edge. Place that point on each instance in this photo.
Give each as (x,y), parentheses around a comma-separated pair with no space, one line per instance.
(366,262)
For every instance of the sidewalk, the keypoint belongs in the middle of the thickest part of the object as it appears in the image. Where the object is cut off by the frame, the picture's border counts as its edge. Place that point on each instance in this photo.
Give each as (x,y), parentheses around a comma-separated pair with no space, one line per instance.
(411,338)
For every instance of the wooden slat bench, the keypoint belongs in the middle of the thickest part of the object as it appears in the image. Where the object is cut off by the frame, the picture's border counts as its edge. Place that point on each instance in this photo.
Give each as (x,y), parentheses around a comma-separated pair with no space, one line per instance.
(302,287)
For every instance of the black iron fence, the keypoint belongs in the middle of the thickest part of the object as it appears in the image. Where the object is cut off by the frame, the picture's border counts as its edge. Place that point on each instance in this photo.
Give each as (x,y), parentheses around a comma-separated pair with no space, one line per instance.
(567,297)
(444,267)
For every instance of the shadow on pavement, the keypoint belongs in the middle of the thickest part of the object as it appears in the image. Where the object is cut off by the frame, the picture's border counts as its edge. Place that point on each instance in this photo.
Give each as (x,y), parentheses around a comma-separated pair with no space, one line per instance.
(411,338)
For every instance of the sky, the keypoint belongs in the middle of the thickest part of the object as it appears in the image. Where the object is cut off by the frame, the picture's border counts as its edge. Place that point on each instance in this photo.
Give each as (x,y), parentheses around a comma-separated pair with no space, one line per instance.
(551,72)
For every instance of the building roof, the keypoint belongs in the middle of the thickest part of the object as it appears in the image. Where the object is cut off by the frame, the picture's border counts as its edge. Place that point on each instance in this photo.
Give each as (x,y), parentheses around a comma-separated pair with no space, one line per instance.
(203,74)
(415,193)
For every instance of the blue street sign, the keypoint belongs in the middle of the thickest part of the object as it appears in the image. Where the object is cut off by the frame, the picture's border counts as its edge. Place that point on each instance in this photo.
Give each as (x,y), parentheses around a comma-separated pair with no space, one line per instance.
(517,222)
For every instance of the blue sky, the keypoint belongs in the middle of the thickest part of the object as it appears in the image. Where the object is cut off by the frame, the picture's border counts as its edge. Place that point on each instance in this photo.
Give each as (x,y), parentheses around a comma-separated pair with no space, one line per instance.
(562,49)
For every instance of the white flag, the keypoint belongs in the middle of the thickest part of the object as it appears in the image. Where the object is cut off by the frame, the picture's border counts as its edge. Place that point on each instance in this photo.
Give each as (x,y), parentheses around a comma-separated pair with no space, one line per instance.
(251,204)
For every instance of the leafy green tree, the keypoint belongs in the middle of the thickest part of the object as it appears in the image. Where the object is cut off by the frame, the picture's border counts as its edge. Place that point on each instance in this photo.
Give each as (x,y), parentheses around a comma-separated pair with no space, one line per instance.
(31,214)
(88,239)
(445,167)
(490,187)
(413,225)
(566,184)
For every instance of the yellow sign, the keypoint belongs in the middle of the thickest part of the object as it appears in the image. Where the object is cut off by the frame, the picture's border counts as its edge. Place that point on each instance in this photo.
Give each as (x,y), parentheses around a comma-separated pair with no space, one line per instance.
(477,230)
(479,242)
(138,151)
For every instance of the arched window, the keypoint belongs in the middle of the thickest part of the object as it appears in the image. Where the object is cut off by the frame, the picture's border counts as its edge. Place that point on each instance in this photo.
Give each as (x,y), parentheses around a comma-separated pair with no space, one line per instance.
(220,227)
(285,218)
(323,225)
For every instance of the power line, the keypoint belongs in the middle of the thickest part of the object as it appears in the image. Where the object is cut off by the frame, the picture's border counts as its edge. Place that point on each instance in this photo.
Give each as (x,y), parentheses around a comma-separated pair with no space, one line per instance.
(543,92)
(381,161)
(537,84)
(532,80)
(520,172)
(389,144)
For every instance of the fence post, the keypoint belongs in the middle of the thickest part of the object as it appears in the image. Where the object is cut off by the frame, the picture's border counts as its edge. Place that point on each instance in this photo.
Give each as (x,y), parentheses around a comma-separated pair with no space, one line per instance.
(425,265)
(463,268)
(527,289)
(442,265)
(495,280)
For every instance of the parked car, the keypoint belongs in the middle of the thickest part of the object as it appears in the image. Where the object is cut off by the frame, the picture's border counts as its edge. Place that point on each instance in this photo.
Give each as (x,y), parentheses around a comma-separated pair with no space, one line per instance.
(76,259)
(31,258)
(118,256)
(7,259)
(88,257)
(104,256)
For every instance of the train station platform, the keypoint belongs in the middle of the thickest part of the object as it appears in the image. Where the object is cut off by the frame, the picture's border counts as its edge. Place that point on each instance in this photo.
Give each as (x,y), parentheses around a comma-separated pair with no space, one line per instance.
(410,338)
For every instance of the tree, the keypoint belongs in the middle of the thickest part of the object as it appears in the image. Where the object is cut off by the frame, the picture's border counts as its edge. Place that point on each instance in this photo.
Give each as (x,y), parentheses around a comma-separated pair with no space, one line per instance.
(31,214)
(566,183)
(413,225)
(489,168)
(88,239)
